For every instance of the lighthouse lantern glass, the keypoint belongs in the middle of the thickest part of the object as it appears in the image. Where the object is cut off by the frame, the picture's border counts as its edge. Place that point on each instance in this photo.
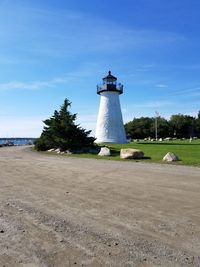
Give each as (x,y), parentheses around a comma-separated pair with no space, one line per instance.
(110,84)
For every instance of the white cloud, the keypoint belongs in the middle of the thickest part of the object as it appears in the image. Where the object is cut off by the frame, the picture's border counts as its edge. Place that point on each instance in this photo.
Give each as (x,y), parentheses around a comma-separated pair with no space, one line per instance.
(187,91)
(161,85)
(83,72)
(34,85)
(64,33)
(153,104)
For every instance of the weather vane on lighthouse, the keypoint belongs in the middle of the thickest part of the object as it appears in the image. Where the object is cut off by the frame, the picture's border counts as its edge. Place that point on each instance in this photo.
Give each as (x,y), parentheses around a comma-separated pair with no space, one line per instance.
(110,128)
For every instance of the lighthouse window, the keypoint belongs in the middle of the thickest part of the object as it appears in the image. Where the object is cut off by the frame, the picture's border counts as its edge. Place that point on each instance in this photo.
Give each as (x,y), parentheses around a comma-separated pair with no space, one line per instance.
(111,82)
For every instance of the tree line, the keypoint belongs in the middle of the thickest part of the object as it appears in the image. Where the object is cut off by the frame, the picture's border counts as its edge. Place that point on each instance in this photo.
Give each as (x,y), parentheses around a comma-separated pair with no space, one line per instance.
(178,126)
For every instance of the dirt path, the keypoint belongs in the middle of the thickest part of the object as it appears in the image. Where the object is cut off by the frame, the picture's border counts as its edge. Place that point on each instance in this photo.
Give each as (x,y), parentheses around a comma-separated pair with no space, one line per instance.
(64,211)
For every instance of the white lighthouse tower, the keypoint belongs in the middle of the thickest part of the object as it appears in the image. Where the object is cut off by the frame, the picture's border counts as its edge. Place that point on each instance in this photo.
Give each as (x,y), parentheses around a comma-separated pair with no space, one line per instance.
(110,128)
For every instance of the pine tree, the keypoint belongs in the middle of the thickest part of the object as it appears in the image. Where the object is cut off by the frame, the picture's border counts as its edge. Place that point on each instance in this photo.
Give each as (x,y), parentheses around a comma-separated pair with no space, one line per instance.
(60,131)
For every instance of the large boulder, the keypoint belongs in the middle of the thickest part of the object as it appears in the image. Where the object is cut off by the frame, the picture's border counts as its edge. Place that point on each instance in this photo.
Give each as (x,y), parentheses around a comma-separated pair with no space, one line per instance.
(58,150)
(130,153)
(51,150)
(104,152)
(170,157)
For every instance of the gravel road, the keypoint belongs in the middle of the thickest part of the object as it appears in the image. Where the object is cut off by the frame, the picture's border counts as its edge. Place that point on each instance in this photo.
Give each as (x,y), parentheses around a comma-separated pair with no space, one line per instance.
(66,211)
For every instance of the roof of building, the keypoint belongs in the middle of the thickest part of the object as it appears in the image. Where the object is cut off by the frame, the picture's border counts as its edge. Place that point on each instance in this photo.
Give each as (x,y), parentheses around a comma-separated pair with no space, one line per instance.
(110,76)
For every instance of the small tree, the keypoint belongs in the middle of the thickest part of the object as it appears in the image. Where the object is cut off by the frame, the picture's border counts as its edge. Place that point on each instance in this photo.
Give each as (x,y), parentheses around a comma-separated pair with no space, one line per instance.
(62,132)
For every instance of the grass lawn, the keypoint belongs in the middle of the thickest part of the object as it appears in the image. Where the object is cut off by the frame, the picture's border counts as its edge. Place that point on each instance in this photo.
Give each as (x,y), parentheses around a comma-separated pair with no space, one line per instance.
(188,152)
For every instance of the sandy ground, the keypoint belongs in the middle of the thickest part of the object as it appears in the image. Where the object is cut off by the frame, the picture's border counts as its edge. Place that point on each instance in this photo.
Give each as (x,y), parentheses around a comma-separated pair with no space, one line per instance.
(64,211)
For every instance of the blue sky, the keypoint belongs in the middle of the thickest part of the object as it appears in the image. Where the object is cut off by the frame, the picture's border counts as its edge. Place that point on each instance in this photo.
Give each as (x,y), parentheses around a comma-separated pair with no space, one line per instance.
(56,49)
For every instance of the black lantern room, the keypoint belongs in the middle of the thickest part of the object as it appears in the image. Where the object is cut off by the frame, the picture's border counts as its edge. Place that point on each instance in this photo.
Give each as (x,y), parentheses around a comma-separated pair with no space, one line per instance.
(110,84)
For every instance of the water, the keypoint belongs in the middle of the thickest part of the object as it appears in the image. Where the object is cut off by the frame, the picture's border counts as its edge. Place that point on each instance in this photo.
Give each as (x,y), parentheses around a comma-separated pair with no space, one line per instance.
(17,141)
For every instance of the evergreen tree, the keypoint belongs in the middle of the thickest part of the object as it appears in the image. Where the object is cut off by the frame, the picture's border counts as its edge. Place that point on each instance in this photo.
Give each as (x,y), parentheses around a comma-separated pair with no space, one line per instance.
(60,131)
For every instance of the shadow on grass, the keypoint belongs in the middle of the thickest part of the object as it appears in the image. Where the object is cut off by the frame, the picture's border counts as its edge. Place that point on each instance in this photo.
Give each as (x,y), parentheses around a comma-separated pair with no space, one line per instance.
(144,158)
(116,153)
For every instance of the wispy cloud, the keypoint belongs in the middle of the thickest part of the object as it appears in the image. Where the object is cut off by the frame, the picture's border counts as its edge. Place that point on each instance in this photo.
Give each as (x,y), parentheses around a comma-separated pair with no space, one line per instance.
(85,71)
(34,85)
(145,67)
(161,85)
(189,92)
(70,33)
(154,104)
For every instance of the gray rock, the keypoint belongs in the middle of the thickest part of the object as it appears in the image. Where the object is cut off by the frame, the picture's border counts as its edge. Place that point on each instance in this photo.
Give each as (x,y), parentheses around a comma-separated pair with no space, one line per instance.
(104,152)
(57,150)
(68,152)
(130,153)
(51,150)
(168,138)
(170,157)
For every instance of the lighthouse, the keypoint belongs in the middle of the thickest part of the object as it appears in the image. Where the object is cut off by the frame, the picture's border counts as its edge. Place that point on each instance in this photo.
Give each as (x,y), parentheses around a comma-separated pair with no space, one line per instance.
(110,127)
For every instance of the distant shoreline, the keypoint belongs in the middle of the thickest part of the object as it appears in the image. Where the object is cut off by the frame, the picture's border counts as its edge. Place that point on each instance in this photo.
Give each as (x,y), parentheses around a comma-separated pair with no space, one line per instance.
(16,141)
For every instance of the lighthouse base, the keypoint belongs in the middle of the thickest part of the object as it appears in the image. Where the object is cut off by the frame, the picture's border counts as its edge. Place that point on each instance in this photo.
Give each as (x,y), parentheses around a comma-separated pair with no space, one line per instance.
(110,128)
(110,142)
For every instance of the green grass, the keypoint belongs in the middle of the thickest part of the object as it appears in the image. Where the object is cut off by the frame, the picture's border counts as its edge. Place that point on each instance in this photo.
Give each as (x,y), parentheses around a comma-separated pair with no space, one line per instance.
(188,152)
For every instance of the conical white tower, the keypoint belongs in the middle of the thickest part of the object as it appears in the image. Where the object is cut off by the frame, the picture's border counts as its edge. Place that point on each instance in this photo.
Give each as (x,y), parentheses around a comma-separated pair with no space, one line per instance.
(110,128)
